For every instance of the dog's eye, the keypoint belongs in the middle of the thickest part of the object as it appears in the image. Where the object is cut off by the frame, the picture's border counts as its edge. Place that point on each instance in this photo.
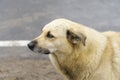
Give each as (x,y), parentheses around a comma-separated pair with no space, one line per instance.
(49,35)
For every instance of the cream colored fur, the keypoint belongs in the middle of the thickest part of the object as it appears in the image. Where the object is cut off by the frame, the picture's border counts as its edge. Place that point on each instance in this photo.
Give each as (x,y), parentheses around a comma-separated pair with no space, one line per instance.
(99,59)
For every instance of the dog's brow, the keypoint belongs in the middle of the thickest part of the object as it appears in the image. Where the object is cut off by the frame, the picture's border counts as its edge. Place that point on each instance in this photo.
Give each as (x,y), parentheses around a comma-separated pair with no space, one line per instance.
(48,32)
(49,35)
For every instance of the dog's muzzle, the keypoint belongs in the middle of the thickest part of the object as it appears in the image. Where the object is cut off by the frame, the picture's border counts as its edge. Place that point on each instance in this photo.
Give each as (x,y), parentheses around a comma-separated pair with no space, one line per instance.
(33,46)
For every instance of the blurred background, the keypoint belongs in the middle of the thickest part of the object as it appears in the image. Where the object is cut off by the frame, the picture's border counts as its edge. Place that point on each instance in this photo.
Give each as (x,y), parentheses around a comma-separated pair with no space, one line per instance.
(23,20)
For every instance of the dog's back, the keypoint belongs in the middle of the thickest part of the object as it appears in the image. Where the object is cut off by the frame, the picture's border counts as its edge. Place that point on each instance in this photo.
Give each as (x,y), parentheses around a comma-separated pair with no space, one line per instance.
(114,38)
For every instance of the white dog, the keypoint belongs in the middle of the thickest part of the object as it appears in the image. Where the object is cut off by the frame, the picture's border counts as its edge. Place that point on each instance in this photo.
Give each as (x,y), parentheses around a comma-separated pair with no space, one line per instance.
(79,52)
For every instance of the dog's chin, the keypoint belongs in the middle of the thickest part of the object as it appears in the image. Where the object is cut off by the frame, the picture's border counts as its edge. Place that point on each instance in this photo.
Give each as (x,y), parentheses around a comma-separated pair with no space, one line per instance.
(41,50)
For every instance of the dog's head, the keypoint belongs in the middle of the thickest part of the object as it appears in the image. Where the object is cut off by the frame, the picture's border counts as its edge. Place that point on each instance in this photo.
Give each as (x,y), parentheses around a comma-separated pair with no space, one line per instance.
(58,36)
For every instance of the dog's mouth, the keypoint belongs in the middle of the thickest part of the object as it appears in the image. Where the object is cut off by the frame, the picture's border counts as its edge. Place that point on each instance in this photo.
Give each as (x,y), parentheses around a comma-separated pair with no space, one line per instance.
(32,46)
(41,50)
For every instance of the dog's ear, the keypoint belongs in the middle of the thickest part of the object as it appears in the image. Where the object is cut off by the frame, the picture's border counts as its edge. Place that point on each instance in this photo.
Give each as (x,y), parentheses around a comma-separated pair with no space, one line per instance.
(75,38)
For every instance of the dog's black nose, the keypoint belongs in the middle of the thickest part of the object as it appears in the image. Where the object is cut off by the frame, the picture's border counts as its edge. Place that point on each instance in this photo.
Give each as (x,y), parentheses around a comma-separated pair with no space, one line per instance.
(32,45)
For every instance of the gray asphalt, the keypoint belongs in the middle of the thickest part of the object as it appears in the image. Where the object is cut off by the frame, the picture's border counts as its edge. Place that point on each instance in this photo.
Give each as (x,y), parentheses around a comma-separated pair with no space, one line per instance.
(23,19)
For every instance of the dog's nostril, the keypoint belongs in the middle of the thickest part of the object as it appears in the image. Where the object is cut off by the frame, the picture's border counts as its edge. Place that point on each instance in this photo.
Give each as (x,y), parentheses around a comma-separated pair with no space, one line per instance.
(32,45)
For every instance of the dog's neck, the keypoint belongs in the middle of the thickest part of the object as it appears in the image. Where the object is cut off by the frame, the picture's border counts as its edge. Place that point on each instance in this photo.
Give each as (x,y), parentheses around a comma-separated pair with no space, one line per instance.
(82,62)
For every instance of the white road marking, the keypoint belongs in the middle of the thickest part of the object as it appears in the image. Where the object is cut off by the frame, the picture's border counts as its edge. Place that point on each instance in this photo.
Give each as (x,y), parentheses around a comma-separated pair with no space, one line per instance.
(14,43)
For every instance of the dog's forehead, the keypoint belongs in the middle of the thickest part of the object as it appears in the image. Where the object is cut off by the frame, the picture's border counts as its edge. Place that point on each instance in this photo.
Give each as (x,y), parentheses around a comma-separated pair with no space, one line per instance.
(55,25)
(56,31)
(58,24)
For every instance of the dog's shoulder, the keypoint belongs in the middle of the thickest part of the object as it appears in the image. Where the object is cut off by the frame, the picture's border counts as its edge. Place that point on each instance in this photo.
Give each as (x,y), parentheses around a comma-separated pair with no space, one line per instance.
(110,33)
(114,38)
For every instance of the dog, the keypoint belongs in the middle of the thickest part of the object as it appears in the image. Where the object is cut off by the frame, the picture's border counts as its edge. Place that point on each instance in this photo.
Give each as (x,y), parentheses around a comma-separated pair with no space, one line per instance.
(79,52)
